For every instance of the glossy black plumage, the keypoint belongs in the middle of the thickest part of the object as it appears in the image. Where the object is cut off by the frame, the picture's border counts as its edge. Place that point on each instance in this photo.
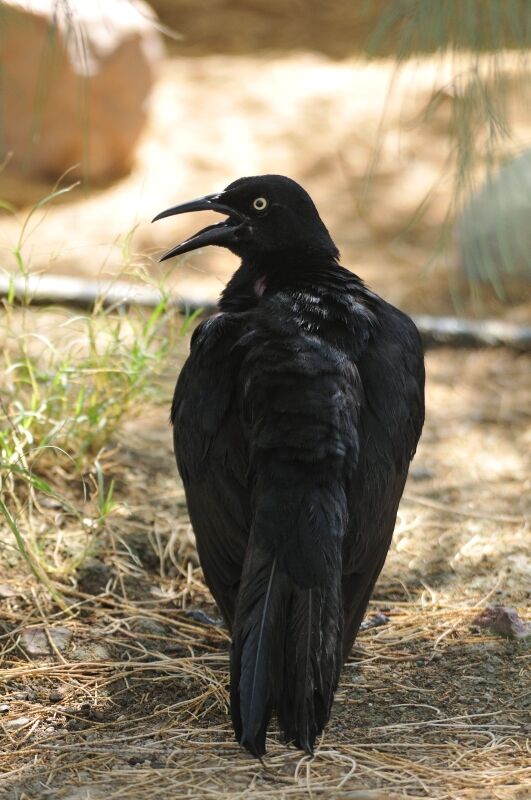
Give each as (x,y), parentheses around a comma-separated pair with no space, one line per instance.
(295,418)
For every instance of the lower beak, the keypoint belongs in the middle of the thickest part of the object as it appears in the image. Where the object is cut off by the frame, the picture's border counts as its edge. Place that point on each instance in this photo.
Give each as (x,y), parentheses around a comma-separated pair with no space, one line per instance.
(223,234)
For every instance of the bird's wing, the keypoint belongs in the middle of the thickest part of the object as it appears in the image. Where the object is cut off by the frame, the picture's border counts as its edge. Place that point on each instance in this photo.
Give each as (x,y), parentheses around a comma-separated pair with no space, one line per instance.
(391,419)
(300,406)
(211,454)
(301,399)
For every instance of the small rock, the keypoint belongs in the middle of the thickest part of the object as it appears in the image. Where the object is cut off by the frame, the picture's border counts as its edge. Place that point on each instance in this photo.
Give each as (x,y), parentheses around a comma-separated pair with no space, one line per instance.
(421,473)
(36,641)
(8,591)
(374,621)
(149,626)
(201,616)
(4,707)
(94,576)
(90,651)
(76,725)
(504,621)
(31,696)
(50,502)
(16,724)
(56,695)
(140,546)
(103,56)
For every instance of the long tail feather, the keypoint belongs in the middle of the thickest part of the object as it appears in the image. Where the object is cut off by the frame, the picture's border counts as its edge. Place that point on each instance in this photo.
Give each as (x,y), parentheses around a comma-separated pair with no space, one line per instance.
(286,654)
(256,655)
(313,661)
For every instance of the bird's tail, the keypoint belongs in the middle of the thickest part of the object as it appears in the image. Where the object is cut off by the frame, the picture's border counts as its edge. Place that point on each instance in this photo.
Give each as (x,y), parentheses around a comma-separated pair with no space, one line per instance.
(313,658)
(287,645)
(257,650)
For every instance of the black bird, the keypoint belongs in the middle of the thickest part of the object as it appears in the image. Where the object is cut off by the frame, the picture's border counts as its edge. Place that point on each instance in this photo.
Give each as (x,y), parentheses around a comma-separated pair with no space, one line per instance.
(295,418)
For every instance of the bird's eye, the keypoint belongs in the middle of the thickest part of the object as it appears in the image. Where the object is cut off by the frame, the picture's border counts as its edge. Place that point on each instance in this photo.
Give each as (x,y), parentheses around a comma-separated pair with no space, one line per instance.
(260,204)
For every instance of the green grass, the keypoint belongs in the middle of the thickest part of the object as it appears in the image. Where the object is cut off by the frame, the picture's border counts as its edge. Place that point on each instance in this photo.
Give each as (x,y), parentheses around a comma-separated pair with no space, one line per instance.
(67,381)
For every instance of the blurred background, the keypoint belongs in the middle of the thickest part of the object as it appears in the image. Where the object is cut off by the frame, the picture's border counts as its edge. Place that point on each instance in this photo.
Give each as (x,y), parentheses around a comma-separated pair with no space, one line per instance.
(408,122)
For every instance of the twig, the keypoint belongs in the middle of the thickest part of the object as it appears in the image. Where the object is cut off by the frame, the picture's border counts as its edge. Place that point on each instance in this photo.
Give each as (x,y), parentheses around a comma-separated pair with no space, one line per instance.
(66,290)
(462,512)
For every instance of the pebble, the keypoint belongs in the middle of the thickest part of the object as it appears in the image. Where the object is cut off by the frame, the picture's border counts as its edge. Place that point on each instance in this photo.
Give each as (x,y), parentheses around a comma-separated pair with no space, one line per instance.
(4,707)
(56,695)
(15,724)
(30,696)
(421,473)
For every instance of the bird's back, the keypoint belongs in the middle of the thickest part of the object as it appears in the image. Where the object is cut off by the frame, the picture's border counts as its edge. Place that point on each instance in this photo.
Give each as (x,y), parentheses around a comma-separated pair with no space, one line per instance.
(295,419)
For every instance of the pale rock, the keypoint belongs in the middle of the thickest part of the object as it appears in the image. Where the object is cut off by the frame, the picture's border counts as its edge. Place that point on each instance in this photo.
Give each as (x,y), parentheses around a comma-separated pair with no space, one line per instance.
(38,641)
(16,724)
(493,231)
(76,79)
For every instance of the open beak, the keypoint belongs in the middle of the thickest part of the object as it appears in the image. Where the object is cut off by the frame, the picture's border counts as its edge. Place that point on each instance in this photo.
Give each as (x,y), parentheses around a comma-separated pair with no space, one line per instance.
(223,234)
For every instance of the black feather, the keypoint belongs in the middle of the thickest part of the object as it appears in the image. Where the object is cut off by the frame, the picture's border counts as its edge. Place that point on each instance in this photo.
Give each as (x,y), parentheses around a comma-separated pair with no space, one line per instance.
(256,654)
(295,419)
(313,662)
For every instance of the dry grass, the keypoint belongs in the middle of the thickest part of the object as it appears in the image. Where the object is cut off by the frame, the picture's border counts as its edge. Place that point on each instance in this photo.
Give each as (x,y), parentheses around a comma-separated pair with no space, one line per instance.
(134,705)
(140,717)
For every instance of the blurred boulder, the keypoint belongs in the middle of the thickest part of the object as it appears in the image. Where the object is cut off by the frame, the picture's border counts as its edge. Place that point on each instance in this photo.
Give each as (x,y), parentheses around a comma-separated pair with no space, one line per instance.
(494,229)
(76,78)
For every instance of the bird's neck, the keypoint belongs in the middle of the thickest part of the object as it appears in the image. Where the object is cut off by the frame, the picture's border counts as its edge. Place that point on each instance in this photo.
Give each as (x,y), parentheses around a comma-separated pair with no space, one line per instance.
(256,277)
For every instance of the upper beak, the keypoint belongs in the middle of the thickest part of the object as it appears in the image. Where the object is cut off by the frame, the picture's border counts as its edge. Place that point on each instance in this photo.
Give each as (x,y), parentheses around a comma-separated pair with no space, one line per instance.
(222,234)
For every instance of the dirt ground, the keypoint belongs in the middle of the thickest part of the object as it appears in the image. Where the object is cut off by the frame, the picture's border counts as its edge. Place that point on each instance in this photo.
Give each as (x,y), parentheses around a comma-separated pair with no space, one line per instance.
(127,698)
(357,135)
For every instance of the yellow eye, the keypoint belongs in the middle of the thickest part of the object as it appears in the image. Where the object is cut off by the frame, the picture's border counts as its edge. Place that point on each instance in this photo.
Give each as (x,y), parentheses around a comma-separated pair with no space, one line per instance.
(260,204)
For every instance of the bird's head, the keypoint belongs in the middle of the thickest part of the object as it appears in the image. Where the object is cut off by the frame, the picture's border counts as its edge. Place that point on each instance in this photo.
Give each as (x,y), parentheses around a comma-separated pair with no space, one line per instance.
(265,215)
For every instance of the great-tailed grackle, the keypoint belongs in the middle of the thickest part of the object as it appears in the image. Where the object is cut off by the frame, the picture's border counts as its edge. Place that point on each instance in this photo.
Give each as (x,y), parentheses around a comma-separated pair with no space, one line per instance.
(295,418)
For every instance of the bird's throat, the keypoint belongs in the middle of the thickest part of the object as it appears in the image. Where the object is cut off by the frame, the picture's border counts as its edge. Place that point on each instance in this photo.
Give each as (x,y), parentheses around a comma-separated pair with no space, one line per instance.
(260,285)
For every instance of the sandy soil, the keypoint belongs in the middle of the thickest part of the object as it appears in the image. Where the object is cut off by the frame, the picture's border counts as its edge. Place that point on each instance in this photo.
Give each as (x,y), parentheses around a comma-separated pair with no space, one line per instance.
(430,706)
(131,702)
(353,133)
